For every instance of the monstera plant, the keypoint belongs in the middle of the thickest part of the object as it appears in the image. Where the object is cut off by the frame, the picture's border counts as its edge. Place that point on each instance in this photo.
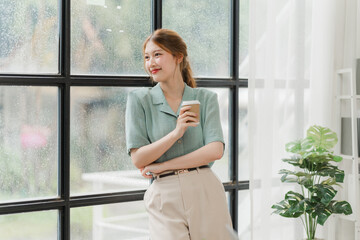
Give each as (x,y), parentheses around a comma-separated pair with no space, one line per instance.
(316,174)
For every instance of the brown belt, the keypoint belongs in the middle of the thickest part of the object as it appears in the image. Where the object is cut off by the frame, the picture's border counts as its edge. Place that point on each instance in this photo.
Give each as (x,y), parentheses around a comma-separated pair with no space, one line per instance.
(180,171)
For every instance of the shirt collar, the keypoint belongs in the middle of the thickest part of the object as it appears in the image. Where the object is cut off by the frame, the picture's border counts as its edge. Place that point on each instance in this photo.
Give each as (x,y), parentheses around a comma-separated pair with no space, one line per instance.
(158,97)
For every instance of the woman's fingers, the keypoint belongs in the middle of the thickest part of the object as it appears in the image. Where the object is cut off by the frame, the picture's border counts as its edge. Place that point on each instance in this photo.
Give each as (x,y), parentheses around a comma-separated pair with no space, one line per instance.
(186,119)
(144,173)
(184,109)
(190,120)
(187,114)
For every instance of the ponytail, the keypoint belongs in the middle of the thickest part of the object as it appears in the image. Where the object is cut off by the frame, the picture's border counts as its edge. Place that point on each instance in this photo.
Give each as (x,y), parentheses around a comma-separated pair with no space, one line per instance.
(186,73)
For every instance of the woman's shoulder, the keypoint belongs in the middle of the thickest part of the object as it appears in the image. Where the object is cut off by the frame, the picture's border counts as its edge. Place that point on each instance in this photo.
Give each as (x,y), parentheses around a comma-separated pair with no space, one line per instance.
(139,93)
(205,94)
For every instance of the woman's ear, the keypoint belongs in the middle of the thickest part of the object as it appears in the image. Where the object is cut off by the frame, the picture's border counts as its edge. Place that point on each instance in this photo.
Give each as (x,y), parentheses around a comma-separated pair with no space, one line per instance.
(179,59)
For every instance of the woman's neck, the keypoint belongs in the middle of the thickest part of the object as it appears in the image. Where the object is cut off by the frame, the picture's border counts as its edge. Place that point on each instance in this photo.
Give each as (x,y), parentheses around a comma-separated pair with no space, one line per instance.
(173,89)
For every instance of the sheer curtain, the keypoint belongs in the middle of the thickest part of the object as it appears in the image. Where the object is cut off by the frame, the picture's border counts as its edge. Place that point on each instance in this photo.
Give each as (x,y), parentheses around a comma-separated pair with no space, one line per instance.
(295,48)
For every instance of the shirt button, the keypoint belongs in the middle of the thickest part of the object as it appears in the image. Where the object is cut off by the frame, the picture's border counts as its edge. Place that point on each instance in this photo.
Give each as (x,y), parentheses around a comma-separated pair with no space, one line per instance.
(179,141)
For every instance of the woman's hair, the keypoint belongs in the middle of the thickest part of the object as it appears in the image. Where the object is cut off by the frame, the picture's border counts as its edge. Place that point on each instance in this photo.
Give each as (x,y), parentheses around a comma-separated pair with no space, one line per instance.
(171,42)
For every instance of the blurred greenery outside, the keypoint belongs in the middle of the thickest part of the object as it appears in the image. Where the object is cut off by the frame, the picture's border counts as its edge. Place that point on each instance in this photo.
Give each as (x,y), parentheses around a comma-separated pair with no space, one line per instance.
(30,226)
(104,41)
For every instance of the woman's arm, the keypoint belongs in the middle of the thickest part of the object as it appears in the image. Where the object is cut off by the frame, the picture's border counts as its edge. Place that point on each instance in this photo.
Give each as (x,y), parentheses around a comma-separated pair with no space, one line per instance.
(202,156)
(147,154)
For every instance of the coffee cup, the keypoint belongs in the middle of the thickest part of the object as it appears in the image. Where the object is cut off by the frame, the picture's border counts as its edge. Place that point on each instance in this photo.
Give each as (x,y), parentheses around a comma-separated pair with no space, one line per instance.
(195,108)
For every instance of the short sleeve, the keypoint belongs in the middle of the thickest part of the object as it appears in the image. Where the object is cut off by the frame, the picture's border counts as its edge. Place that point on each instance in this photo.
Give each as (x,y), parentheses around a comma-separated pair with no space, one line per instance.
(212,130)
(135,123)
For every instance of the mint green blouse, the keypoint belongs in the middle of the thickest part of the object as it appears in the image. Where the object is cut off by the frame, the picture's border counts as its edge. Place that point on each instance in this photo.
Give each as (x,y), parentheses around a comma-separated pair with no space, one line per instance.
(149,118)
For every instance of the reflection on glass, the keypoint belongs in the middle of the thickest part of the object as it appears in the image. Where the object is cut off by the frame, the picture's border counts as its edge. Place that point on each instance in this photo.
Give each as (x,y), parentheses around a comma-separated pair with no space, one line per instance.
(221,167)
(29,226)
(244,221)
(113,221)
(107,36)
(243,135)
(28,142)
(205,27)
(244,39)
(29,33)
(99,160)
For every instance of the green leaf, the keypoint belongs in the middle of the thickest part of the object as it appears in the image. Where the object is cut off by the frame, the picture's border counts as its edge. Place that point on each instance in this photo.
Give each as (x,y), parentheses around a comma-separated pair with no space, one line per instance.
(307,144)
(293,161)
(323,215)
(323,137)
(308,205)
(286,178)
(332,171)
(290,207)
(325,192)
(337,207)
(307,182)
(318,157)
(293,147)
(341,207)
(294,195)
(329,181)
(337,158)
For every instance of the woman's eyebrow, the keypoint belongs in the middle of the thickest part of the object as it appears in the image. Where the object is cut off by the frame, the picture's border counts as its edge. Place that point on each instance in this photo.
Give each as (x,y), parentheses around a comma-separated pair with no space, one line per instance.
(156,50)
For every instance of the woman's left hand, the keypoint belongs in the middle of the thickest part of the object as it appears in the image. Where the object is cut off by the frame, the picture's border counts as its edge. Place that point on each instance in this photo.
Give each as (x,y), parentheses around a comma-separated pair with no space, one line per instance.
(153,168)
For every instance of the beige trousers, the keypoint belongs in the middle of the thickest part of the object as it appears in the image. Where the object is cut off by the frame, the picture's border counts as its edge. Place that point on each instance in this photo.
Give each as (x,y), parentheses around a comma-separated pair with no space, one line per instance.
(190,205)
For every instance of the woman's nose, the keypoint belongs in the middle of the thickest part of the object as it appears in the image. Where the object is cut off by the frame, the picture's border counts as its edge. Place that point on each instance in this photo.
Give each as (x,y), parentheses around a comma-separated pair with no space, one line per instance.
(152,62)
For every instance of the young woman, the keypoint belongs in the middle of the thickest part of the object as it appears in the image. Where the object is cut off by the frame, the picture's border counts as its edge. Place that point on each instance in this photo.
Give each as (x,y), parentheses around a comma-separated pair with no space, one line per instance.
(185,200)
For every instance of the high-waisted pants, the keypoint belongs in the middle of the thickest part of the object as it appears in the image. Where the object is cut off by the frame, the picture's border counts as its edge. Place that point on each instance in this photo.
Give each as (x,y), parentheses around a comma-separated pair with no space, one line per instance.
(190,205)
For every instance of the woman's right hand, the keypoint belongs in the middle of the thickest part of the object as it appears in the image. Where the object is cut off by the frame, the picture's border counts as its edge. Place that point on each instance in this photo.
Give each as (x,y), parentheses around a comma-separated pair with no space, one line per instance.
(186,119)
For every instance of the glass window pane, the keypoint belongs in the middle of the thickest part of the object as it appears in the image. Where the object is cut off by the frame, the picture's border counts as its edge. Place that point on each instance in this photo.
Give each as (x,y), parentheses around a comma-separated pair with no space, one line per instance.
(346,146)
(221,167)
(205,27)
(243,135)
(244,39)
(244,221)
(28,142)
(29,226)
(107,36)
(346,129)
(99,160)
(29,36)
(113,221)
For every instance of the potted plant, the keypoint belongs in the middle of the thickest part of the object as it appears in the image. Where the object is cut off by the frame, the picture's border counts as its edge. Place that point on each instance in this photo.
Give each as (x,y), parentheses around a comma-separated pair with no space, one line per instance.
(316,174)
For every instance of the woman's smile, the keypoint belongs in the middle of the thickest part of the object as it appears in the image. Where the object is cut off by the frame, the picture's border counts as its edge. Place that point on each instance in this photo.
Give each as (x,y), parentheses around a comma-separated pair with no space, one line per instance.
(154,71)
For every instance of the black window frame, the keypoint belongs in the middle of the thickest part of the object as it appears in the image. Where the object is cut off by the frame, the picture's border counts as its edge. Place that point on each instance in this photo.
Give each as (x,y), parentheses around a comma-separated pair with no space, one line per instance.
(64,81)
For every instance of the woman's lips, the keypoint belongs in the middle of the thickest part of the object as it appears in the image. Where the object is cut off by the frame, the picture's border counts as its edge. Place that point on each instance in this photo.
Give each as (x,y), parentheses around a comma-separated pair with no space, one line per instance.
(155,71)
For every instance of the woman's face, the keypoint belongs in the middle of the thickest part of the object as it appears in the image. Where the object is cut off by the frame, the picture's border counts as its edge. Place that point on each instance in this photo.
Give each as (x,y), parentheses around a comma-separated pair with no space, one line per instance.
(160,64)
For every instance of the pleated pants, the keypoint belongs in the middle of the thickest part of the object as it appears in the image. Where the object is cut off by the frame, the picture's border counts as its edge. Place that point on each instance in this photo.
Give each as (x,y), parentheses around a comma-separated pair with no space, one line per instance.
(190,205)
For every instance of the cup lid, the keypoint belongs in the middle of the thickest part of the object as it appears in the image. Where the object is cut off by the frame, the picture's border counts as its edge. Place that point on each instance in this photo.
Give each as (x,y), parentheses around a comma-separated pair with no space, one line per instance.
(190,102)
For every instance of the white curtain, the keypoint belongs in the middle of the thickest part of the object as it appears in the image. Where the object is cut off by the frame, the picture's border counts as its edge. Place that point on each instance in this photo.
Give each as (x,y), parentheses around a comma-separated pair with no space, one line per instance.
(295,48)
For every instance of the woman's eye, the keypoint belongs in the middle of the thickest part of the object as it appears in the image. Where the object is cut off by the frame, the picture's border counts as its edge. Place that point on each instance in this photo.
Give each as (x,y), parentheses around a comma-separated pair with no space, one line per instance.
(157,54)
(146,58)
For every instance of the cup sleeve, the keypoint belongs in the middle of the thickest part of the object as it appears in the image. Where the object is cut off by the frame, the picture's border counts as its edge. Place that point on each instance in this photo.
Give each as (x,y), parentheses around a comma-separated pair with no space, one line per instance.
(135,123)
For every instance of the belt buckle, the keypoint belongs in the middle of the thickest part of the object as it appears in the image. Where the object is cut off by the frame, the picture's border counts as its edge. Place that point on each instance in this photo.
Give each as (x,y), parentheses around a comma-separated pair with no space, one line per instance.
(182,171)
